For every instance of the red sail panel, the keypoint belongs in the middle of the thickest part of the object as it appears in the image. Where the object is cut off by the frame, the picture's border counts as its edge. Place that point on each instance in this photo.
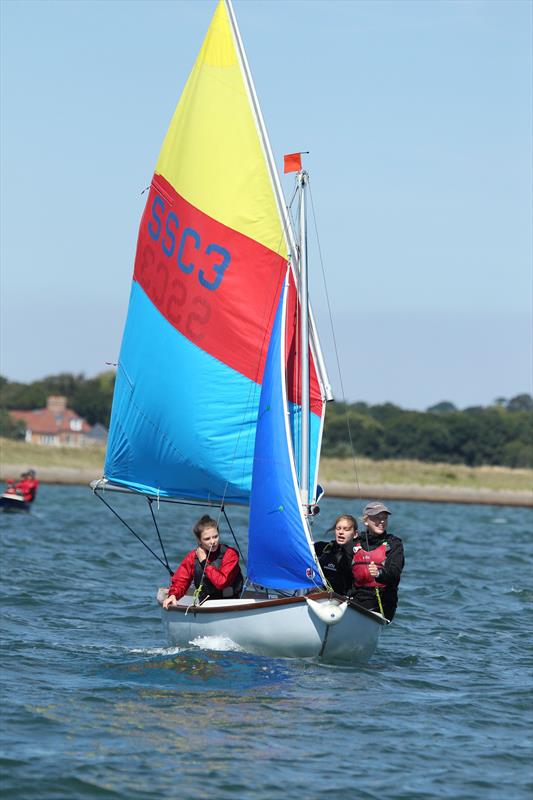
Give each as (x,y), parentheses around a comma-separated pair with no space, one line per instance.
(216,286)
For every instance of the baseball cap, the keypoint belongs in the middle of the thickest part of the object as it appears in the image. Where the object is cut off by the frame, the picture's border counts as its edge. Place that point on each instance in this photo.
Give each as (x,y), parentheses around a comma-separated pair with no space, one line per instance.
(374,508)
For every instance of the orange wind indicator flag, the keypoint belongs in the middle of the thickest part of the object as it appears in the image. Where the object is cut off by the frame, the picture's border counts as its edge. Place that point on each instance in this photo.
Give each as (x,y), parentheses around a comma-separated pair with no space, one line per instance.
(292,162)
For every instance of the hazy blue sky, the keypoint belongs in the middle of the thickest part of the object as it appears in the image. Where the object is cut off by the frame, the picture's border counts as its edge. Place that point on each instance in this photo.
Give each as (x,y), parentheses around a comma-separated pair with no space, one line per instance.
(418,119)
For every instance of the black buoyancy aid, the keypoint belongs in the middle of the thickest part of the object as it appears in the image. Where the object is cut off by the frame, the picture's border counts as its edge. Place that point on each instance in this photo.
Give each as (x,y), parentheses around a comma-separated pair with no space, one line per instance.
(208,588)
(361,560)
(335,563)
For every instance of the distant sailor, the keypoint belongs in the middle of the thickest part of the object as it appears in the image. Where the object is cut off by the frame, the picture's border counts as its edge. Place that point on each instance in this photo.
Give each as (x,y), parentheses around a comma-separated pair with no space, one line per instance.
(377,563)
(214,568)
(335,557)
(26,486)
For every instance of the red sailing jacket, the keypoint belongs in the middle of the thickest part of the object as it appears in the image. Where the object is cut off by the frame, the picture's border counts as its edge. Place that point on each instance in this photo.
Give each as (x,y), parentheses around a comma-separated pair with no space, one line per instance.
(27,487)
(221,578)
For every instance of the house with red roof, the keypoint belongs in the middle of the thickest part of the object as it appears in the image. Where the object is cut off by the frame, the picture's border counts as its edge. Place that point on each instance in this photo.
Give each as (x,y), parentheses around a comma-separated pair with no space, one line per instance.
(58,425)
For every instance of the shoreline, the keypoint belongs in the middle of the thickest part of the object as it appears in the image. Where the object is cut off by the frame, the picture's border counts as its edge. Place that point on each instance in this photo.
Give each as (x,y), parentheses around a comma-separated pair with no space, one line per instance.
(430,494)
(388,491)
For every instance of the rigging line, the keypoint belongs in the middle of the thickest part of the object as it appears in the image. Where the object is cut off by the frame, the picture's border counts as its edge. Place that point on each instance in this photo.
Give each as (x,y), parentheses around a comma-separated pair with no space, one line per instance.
(222,510)
(117,515)
(150,503)
(197,592)
(289,206)
(233,534)
(352,449)
(376,587)
(380,604)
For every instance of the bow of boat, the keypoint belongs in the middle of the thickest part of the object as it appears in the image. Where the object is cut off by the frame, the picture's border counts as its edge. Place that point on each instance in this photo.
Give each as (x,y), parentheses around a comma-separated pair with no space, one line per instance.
(319,625)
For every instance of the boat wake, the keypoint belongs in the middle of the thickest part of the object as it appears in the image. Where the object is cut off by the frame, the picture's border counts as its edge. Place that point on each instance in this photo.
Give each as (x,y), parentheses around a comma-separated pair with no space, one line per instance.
(218,643)
(156,651)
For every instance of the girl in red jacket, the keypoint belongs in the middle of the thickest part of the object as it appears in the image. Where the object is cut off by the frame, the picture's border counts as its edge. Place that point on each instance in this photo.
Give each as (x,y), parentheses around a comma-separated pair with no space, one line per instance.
(214,567)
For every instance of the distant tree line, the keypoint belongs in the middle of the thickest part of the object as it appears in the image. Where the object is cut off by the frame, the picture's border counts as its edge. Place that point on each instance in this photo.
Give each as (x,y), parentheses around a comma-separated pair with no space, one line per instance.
(500,434)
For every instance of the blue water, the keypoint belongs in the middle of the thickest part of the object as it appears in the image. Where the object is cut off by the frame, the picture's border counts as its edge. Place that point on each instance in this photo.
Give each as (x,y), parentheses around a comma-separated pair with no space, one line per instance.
(95,705)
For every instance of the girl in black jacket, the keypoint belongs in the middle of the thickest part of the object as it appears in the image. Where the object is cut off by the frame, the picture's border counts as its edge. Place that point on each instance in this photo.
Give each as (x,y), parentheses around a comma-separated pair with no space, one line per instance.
(335,556)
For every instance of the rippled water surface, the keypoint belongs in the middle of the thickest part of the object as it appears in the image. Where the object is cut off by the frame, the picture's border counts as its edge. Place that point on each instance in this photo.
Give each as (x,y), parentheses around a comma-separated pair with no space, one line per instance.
(95,705)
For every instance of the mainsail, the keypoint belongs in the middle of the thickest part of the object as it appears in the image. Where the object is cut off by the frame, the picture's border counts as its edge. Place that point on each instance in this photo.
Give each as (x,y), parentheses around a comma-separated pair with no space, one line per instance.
(211,258)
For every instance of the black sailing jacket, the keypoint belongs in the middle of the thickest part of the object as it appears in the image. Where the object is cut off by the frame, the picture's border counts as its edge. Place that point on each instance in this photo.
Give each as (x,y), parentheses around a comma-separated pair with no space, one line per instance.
(336,562)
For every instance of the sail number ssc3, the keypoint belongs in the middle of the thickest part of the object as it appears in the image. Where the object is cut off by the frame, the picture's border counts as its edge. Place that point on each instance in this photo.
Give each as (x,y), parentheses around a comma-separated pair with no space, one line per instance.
(189,240)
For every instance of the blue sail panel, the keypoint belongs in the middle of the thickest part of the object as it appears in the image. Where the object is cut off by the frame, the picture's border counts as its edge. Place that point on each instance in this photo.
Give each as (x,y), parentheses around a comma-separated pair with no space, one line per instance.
(315,436)
(183,423)
(279,546)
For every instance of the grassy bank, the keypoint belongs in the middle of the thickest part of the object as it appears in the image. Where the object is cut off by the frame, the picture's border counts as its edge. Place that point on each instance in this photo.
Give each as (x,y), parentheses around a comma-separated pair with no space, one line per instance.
(35,456)
(419,473)
(411,473)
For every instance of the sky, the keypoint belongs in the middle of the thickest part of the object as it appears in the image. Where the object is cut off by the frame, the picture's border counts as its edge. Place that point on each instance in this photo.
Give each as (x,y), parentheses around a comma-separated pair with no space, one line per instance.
(418,119)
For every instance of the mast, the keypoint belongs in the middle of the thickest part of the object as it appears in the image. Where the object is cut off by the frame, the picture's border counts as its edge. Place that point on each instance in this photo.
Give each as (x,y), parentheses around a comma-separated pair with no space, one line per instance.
(278,193)
(304,344)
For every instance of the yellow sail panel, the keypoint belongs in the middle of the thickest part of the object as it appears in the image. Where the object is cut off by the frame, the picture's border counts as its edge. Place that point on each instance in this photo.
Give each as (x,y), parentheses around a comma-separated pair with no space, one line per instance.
(212,154)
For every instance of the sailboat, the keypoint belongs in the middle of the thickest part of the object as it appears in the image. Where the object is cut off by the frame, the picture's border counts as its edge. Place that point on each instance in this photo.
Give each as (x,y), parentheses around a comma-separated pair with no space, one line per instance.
(221,385)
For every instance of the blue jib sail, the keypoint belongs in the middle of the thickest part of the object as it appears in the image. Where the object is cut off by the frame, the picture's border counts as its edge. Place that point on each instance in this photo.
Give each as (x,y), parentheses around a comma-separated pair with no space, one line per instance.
(280,550)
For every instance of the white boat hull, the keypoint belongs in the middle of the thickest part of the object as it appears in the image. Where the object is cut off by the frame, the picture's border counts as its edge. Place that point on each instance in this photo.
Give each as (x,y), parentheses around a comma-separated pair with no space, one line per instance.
(282,627)
(13,502)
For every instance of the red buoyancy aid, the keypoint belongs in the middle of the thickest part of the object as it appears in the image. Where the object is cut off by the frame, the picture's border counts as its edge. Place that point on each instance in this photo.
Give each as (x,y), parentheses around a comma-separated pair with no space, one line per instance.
(361,560)
(27,487)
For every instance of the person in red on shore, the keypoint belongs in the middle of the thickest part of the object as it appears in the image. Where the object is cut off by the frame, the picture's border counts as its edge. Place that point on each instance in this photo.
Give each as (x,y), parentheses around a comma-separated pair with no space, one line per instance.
(213,566)
(377,563)
(26,486)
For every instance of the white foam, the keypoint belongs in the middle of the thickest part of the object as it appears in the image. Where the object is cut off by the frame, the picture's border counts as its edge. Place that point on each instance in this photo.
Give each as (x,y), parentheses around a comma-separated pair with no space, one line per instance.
(220,643)
(156,651)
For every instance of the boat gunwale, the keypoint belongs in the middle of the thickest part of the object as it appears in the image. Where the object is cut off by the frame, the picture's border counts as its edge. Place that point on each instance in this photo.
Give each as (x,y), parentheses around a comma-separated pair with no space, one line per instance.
(277,601)
(12,502)
(16,497)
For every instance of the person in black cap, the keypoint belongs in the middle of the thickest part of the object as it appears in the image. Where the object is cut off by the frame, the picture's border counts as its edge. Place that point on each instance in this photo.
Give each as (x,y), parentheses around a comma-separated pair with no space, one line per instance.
(377,563)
